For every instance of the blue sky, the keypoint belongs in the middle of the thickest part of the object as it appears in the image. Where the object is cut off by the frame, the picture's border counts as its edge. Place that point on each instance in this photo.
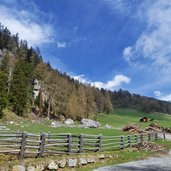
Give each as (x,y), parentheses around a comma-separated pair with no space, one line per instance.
(108,43)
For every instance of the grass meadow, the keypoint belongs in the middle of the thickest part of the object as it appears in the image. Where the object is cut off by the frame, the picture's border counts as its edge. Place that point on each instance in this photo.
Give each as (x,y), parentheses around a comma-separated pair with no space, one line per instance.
(118,119)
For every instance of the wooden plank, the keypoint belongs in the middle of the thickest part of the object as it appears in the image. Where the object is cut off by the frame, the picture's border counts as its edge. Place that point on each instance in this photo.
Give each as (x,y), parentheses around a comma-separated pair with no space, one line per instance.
(156,136)
(164,135)
(122,142)
(42,144)
(136,138)
(100,142)
(149,137)
(69,143)
(129,140)
(141,137)
(22,148)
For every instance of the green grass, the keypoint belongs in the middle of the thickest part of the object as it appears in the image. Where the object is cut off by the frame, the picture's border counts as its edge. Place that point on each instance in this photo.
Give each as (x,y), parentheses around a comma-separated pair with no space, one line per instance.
(122,117)
(44,127)
(118,119)
(128,155)
(119,156)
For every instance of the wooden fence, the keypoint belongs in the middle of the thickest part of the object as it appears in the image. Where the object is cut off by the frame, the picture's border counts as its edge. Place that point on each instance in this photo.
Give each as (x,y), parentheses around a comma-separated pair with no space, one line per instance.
(39,145)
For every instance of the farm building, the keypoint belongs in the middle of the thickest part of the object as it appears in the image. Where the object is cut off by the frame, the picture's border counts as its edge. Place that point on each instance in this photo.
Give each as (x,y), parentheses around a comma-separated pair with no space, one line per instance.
(144,119)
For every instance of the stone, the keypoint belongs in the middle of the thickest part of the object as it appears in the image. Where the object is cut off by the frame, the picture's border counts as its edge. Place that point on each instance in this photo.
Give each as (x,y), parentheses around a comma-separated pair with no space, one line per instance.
(110,157)
(18,168)
(90,160)
(102,156)
(69,122)
(62,163)
(11,122)
(52,165)
(61,118)
(31,168)
(108,126)
(40,167)
(89,123)
(72,162)
(83,161)
(55,124)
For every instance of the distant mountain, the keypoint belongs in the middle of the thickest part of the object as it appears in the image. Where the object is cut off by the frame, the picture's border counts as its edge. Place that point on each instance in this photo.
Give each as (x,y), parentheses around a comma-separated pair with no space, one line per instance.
(28,84)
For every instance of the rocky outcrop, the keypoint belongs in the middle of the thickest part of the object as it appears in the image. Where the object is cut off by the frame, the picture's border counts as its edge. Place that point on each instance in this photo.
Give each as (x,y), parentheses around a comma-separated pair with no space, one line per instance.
(89,123)
(83,161)
(72,162)
(18,168)
(53,165)
(69,122)
(60,164)
(108,126)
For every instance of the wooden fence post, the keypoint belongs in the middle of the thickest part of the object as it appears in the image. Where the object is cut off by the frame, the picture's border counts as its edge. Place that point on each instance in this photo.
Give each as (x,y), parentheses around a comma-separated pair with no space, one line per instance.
(129,140)
(149,137)
(141,137)
(80,143)
(23,146)
(136,138)
(164,135)
(156,136)
(69,143)
(100,142)
(41,144)
(122,142)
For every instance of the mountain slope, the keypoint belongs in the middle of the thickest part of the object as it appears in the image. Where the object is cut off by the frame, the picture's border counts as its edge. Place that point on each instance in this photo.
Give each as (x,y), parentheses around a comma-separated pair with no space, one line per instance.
(59,94)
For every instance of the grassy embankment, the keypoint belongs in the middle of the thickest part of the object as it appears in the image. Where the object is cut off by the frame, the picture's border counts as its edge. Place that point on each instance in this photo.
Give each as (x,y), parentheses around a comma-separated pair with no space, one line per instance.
(117,120)
(119,156)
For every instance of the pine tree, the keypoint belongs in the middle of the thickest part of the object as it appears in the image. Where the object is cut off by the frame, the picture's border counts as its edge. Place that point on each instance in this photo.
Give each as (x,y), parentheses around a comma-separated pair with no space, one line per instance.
(3,92)
(4,71)
(21,88)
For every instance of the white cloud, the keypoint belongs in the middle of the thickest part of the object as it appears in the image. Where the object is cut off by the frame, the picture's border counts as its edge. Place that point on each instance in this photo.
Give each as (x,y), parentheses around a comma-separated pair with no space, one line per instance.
(157,93)
(81,79)
(150,56)
(25,23)
(61,44)
(116,82)
(166,97)
(113,84)
(119,6)
(154,44)
(127,53)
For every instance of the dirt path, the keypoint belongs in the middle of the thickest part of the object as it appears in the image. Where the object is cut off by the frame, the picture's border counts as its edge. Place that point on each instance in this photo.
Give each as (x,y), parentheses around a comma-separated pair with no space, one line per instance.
(150,164)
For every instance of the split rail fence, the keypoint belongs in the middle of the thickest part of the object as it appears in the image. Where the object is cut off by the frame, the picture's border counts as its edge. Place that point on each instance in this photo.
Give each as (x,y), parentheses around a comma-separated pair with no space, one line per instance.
(39,145)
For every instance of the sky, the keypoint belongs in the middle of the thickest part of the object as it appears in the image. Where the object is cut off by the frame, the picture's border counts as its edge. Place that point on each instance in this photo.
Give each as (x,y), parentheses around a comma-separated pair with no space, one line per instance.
(109,44)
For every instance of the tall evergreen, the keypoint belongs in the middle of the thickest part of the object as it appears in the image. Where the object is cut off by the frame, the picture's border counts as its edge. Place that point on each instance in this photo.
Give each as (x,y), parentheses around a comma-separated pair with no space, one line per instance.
(4,72)
(21,87)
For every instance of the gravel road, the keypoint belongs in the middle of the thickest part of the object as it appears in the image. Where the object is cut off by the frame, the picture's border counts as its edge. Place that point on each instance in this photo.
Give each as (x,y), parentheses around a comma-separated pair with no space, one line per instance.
(168,136)
(150,164)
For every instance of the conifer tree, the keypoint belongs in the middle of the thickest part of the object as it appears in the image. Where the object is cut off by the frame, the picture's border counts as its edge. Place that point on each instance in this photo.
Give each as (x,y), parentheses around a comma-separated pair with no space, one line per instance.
(3,84)
(20,94)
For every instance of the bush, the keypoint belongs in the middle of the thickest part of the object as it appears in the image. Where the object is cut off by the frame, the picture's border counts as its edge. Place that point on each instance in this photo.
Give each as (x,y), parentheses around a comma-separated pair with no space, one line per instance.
(1,114)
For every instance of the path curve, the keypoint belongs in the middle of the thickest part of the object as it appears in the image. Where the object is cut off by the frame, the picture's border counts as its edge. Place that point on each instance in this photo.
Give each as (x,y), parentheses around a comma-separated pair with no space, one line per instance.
(150,164)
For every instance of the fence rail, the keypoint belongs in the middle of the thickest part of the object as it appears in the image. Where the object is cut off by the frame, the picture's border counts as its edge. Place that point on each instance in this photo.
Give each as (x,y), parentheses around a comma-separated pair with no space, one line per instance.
(39,145)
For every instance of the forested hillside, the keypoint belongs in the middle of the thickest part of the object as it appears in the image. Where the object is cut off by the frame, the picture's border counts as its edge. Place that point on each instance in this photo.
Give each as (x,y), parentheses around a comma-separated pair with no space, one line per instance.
(59,94)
